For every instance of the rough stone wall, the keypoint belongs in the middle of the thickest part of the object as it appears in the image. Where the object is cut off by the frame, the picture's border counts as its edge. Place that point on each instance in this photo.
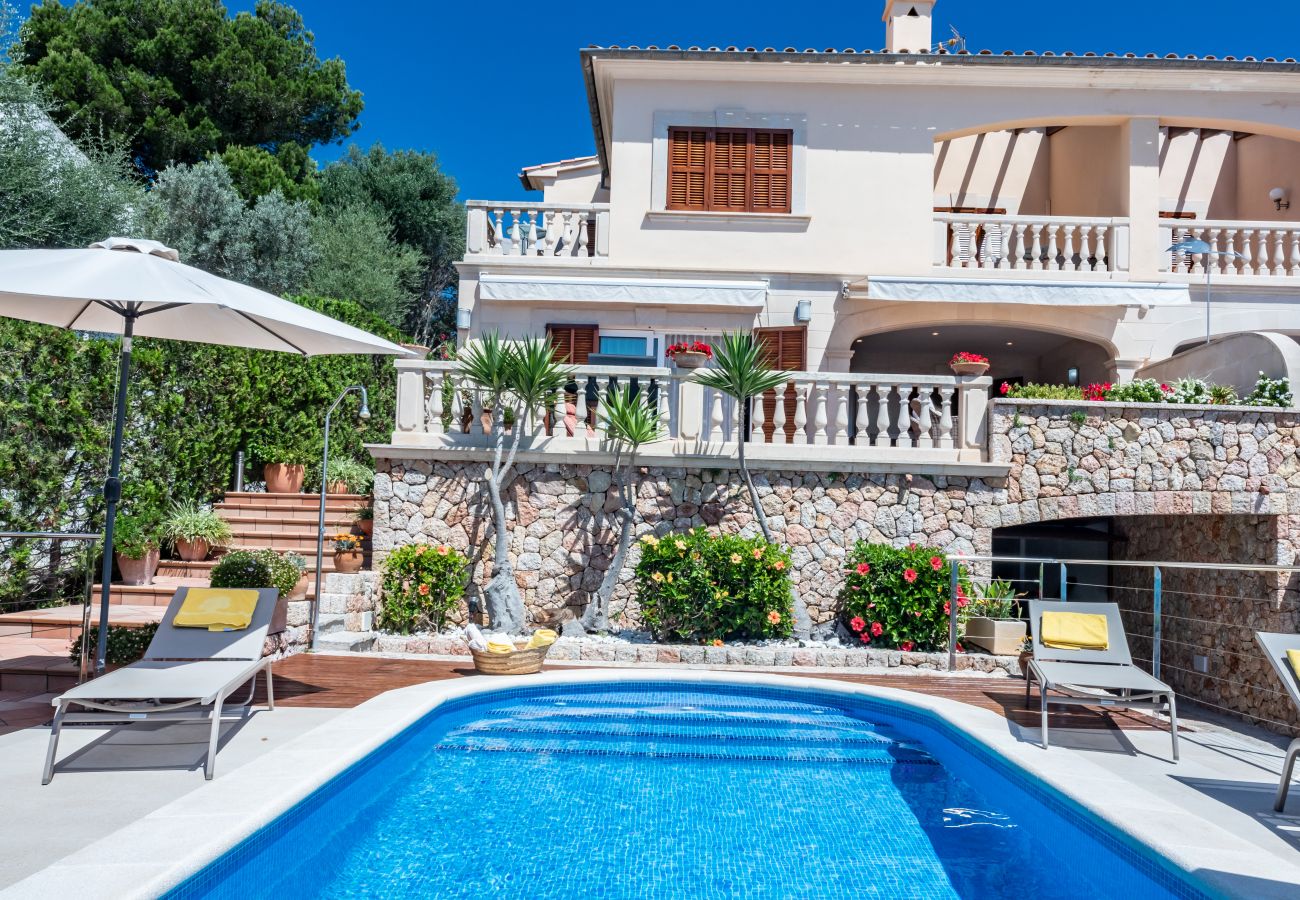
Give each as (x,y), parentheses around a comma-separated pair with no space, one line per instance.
(1212,613)
(563,533)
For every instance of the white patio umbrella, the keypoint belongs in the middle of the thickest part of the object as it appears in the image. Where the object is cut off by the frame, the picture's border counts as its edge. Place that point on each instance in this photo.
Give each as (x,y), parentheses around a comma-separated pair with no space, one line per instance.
(139,288)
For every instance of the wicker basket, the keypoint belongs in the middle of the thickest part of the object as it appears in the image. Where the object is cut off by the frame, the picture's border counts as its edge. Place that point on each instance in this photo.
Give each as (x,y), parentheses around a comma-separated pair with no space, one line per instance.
(521,662)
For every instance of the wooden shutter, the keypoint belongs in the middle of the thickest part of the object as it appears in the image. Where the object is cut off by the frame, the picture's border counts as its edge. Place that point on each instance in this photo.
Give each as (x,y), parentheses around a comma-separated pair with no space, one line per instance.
(785,349)
(687,168)
(573,343)
(730,169)
(770,168)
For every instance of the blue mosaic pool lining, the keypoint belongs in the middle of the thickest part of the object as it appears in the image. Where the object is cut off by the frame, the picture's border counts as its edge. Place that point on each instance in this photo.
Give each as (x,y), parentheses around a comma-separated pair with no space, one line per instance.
(1142,858)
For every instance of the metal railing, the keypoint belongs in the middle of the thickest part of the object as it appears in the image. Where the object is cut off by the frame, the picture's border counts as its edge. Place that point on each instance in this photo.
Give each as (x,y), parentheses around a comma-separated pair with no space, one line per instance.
(23,587)
(1194,662)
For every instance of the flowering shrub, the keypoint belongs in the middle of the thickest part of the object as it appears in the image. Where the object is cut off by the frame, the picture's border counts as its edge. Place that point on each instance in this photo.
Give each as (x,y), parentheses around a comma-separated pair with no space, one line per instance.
(898,597)
(693,347)
(1189,390)
(1033,391)
(1096,391)
(1144,390)
(705,587)
(422,583)
(1269,392)
(256,569)
(967,357)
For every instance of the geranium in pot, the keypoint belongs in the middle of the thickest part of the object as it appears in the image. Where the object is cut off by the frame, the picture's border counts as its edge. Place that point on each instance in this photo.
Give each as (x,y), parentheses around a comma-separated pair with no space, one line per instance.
(966,363)
(135,545)
(347,552)
(284,467)
(991,623)
(689,354)
(364,519)
(195,530)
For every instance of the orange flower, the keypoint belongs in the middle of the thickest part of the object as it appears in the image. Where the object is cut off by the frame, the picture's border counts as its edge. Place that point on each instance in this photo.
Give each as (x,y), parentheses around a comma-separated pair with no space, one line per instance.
(423,590)
(758,553)
(779,565)
(443,549)
(774,617)
(717,642)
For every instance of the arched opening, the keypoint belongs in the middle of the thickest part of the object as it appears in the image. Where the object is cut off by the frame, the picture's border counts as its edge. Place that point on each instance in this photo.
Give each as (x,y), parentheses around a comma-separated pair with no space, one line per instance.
(1017,355)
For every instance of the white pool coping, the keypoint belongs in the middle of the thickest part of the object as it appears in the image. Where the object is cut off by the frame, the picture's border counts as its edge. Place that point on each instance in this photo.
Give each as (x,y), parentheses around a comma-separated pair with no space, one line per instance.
(162,849)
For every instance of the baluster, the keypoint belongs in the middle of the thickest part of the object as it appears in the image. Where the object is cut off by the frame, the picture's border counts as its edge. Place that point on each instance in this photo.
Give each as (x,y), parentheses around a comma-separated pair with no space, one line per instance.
(1068,260)
(1215,262)
(905,438)
(580,245)
(547,247)
(560,413)
(1087,241)
(801,412)
(532,247)
(516,244)
(1264,249)
(580,405)
(1053,261)
(498,236)
(882,415)
(954,245)
(433,409)
(840,424)
(1195,262)
(1230,245)
(757,418)
(1103,263)
(1007,256)
(1019,258)
(861,438)
(924,415)
(1293,262)
(778,415)
(945,417)
(1247,251)
(1036,259)
(1279,262)
(476,411)
(715,416)
(819,412)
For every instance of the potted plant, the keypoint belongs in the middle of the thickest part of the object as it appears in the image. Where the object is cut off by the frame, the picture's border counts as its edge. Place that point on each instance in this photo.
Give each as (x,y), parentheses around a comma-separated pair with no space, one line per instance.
(299,590)
(347,552)
(262,568)
(992,623)
(346,476)
(364,519)
(194,530)
(690,355)
(135,544)
(966,363)
(284,468)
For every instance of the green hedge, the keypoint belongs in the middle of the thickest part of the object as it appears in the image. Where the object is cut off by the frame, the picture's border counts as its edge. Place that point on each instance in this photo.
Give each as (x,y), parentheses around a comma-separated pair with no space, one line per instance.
(896,597)
(700,586)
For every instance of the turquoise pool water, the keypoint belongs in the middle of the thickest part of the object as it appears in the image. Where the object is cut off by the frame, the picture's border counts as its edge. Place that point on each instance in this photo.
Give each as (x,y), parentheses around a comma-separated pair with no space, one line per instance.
(660,790)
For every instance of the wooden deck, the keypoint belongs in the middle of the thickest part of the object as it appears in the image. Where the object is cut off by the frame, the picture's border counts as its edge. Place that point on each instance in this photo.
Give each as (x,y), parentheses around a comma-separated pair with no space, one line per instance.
(346,681)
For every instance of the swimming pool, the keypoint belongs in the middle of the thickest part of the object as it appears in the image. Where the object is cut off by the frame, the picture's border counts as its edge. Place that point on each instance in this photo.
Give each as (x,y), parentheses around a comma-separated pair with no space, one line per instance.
(662,789)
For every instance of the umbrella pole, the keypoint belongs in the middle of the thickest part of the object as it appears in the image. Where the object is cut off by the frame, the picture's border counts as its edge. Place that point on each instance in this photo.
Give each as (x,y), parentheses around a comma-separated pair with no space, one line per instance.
(113,490)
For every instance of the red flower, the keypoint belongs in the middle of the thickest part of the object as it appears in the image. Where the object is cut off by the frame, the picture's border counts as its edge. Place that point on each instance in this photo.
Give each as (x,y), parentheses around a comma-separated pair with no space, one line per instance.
(936,563)
(947,608)
(906,646)
(866,638)
(965,356)
(877,629)
(909,575)
(1166,388)
(857,624)
(960,592)
(424,590)
(863,568)
(911,546)
(962,601)
(1005,388)
(960,648)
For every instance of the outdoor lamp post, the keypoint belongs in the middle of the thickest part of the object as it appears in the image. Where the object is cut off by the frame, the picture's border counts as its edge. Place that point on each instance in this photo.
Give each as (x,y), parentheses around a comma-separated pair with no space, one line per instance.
(1196,245)
(363,414)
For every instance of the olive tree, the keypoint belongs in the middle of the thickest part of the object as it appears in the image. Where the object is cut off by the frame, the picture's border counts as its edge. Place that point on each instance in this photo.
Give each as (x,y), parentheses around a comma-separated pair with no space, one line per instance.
(739,371)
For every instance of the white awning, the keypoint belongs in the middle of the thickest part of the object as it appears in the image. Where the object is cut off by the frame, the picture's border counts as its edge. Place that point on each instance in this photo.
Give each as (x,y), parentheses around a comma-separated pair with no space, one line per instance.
(1038,292)
(641,291)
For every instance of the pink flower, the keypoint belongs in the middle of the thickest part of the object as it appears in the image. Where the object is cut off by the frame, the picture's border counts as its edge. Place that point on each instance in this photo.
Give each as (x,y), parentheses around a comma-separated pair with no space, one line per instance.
(857,624)
(863,568)
(909,575)
(962,601)
(911,546)
(947,608)
(936,563)
(774,617)
(1005,388)
(917,613)
(877,629)
(779,565)
(871,606)
(906,646)
(856,588)
(865,638)
(758,553)
(1166,388)
(443,549)
(423,590)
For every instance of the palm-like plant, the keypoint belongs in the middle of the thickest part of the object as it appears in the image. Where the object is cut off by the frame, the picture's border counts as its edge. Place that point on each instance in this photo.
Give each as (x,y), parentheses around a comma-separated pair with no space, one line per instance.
(740,371)
(630,421)
(521,377)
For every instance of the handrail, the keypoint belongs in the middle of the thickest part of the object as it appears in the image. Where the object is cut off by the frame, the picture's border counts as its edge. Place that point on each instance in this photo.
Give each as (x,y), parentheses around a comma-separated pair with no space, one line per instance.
(1128,563)
(61,535)
(1031,220)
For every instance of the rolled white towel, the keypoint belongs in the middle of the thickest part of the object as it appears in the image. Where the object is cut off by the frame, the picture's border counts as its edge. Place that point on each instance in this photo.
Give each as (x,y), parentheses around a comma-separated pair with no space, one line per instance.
(475,638)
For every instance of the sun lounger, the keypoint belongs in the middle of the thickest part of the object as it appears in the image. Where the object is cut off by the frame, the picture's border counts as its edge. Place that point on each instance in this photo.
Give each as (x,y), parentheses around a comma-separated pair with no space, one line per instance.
(1093,677)
(1275,648)
(185,675)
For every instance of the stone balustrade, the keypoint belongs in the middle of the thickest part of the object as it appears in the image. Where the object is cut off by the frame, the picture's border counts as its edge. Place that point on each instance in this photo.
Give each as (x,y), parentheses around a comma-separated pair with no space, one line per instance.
(816,416)
(1031,243)
(1242,249)
(550,230)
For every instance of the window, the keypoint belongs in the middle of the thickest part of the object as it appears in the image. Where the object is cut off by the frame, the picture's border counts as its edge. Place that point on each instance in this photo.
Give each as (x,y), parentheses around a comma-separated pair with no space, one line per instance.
(729,169)
(637,347)
(573,343)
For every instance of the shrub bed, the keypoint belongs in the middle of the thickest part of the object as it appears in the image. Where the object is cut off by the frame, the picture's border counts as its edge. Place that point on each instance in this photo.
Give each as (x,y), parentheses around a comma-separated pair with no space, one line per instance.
(897,598)
(708,587)
(256,569)
(125,645)
(1267,392)
(422,584)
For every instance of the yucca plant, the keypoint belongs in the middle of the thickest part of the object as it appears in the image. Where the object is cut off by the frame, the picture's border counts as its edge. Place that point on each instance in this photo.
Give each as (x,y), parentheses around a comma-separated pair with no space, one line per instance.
(517,379)
(739,371)
(630,421)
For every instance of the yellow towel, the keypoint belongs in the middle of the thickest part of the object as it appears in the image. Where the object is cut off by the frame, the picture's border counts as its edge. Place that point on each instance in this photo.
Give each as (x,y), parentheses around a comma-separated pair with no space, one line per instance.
(1293,657)
(216,609)
(500,645)
(542,637)
(1074,631)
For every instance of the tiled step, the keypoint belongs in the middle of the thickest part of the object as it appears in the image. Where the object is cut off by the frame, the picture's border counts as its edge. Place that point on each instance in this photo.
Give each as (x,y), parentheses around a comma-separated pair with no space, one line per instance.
(64,622)
(35,665)
(175,568)
(160,593)
(346,641)
(274,520)
(298,540)
(337,502)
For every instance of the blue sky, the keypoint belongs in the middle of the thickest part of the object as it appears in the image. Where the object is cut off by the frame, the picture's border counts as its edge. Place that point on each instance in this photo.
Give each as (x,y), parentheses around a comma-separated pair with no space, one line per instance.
(494,87)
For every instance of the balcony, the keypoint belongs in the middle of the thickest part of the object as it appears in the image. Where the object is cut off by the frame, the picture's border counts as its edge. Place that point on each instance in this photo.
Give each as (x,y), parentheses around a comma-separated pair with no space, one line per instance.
(1081,247)
(832,420)
(538,231)
(1245,249)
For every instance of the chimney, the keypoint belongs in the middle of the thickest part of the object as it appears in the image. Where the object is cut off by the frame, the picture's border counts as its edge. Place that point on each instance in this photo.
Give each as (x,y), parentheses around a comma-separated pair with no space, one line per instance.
(908,26)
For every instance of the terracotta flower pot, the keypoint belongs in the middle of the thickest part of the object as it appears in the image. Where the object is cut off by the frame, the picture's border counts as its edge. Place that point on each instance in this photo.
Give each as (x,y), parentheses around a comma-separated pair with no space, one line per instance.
(300,589)
(347,561)
(193,551)
(366,526)
(283,478)
(338,487)
(138,571)
(690,360)
(970,368)
(1025,657)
